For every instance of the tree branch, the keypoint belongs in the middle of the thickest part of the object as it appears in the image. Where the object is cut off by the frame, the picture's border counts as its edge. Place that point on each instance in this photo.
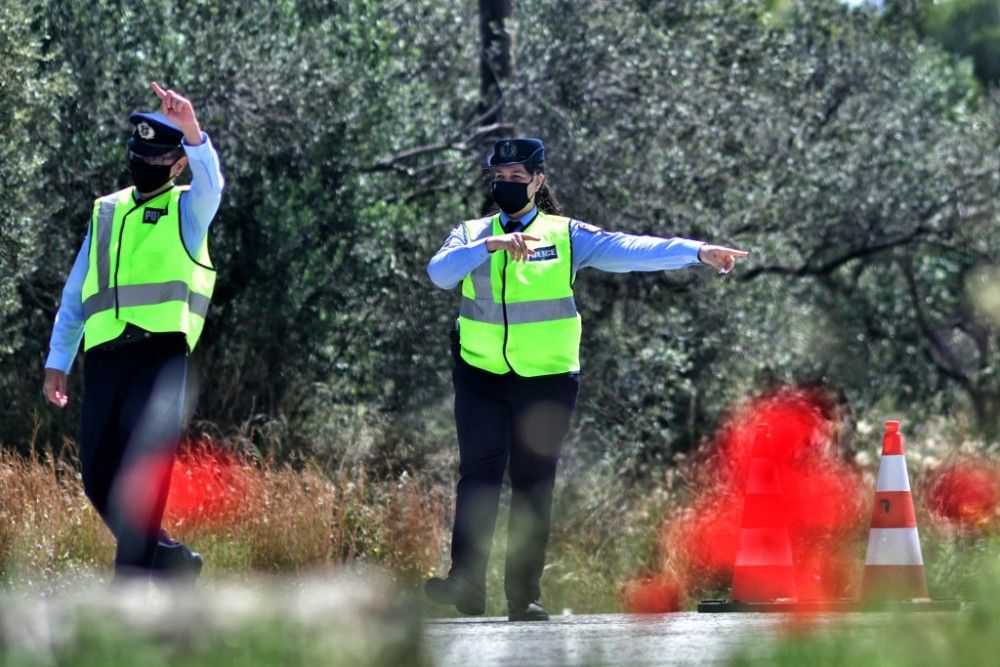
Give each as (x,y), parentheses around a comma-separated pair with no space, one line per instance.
(396,161)
(834,264)
(936,352)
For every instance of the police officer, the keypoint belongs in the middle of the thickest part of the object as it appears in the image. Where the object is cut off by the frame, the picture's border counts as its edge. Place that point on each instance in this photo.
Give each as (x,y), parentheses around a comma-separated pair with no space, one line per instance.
(137,295)
(517,363)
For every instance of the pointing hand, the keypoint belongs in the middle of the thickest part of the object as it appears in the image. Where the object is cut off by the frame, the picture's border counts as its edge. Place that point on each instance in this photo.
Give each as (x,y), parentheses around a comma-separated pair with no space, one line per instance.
(515,243)
(722,258)
(179,110)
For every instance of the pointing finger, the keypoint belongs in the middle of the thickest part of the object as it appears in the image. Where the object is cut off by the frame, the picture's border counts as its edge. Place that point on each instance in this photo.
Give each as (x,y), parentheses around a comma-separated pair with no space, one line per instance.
(162,94)
(734,253)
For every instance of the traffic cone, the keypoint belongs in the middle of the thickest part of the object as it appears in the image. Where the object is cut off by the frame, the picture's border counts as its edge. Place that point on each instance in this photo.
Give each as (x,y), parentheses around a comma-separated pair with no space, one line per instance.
(894,576)
(764,570)
(894,566)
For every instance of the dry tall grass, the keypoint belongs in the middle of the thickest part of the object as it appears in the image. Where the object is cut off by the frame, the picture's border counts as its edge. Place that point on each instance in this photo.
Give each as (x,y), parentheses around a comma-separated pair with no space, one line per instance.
(47,526)
(245,516)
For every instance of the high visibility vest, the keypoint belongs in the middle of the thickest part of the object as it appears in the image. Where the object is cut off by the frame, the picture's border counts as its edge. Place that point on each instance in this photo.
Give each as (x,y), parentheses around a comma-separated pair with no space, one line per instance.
(140,271)
(521,316)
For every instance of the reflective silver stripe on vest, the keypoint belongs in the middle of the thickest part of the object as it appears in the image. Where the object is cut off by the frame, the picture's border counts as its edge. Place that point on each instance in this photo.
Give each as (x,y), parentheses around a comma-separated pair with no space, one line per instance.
(105,218)
(146,295)
(526,312)
(481,274)
(484,309)
(481,282)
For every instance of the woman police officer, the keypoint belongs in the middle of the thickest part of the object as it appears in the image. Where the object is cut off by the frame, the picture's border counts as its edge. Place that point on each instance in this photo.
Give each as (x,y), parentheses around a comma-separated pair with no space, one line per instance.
(517,363)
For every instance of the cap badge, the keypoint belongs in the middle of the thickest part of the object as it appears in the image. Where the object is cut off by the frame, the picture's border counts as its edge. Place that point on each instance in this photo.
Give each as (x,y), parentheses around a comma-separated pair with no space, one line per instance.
(145,131)
(507,150)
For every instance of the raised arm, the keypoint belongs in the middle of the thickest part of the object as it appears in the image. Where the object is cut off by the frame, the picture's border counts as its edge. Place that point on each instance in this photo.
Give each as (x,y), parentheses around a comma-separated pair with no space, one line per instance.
(201,202)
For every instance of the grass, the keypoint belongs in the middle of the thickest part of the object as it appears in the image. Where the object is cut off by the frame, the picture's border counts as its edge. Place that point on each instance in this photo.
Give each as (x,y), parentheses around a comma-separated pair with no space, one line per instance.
(276,539)
(258,517)
(264,517)
(266,521)
(967,637)
(604,534)
(48,530)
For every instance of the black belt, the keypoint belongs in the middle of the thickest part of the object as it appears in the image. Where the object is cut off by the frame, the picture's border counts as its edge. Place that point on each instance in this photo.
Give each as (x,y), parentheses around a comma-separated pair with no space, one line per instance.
(133,334)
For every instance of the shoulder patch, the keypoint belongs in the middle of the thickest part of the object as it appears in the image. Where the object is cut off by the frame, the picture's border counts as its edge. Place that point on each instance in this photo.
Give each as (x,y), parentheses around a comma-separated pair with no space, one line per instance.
(586,226)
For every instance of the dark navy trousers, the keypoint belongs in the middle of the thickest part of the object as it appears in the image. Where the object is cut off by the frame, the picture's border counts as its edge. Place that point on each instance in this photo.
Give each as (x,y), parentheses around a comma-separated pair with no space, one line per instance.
(133,414)
(507,421)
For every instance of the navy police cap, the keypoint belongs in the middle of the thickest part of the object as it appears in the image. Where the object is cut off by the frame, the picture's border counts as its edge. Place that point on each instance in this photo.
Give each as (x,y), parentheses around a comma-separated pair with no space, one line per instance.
(154,134)
(516,151)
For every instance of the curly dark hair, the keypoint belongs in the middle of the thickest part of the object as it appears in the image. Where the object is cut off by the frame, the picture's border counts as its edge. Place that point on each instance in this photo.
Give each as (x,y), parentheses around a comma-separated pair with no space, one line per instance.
(545,198)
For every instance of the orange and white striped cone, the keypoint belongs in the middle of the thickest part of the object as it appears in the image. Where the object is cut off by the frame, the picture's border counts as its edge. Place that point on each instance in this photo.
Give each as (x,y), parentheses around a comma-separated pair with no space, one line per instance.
(764,570)
(894,566)
(894,576)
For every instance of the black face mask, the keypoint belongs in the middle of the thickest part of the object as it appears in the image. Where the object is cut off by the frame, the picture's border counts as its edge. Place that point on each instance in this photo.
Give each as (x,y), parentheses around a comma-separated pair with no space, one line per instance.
(148,177)
(511,197)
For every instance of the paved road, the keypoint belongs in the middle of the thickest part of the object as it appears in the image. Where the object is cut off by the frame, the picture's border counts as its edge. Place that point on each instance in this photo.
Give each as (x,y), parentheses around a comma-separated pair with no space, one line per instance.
(686,638)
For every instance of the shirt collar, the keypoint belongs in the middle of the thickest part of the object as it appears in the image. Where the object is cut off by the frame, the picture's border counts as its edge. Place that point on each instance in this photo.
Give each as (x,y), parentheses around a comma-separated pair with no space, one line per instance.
(526,219)
(139,199)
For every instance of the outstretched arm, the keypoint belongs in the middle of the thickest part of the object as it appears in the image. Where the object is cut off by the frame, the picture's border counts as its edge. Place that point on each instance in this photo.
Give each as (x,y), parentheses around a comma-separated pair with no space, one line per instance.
(619,253)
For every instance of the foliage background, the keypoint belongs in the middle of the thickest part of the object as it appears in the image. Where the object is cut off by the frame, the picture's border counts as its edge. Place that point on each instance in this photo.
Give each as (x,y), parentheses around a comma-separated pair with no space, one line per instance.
(854,151)
(846,148)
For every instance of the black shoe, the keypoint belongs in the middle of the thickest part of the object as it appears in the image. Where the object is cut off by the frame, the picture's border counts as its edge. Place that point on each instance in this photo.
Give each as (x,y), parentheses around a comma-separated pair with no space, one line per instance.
(451,592)
(532,612)
(176,560)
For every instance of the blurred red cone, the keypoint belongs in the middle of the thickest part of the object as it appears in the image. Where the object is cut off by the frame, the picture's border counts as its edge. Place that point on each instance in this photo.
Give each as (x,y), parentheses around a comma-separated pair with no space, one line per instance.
(764,569)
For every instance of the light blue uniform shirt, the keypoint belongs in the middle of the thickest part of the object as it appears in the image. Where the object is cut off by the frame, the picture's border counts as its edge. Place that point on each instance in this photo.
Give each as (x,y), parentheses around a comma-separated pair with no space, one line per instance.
(198,207)
(607,251)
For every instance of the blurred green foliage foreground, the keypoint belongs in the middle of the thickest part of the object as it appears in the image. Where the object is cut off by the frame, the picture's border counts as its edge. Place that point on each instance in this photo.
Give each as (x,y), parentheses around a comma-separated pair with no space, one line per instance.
(277,547)
(968,637)
(853,155)
(342,621)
